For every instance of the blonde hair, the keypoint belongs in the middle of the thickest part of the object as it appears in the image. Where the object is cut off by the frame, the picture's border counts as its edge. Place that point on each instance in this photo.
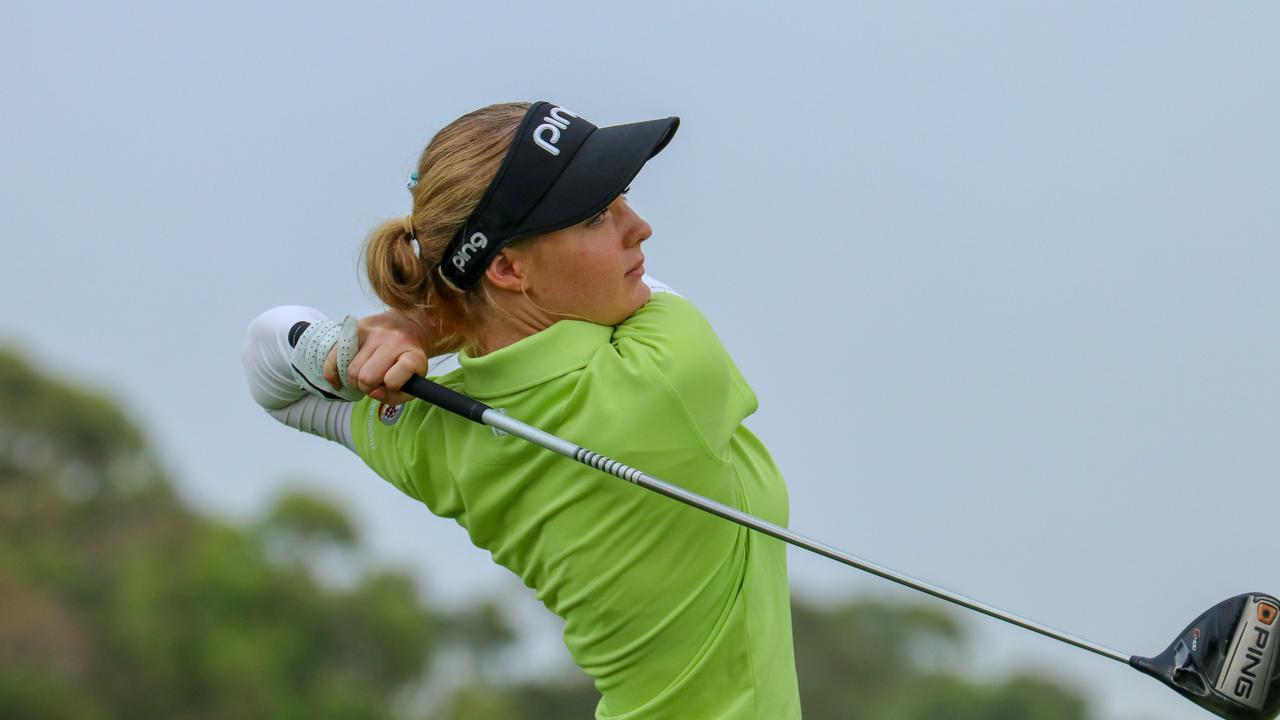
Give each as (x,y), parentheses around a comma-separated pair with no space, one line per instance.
(453,173)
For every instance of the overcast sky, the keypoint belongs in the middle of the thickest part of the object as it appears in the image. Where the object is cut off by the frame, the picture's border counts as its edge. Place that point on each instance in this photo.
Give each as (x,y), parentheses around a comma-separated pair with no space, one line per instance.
(1002,274)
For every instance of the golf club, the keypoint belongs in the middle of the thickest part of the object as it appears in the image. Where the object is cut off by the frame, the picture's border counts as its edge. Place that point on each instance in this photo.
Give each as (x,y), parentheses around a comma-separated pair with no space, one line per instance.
(1224,661)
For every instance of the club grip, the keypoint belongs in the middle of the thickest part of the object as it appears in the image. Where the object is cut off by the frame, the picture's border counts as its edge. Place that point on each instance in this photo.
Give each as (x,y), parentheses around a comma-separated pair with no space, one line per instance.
(443,397)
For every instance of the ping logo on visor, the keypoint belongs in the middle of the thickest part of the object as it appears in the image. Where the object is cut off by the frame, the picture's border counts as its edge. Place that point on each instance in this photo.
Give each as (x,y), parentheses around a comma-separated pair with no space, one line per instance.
(477,242)
(560,170)
(552,127)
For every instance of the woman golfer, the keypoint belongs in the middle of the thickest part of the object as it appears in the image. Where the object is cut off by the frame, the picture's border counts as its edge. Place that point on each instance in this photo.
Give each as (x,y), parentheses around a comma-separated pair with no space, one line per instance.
(521,254)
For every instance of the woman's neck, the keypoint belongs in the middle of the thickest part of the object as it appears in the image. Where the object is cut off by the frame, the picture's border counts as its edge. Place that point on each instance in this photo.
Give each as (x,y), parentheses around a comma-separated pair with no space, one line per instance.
(510,322)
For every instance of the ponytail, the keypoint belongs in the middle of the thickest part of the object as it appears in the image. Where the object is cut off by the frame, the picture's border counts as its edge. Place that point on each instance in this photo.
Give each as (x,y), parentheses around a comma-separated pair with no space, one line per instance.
(402,256)
(405,283)
(397,275)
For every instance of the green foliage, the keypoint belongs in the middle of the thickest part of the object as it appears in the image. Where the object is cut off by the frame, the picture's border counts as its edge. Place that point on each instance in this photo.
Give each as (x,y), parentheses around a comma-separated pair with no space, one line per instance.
(482,702)
(310,519)
(872,660)
(28,694)
(118,602)
(84,424)
(875,642)
(482,633)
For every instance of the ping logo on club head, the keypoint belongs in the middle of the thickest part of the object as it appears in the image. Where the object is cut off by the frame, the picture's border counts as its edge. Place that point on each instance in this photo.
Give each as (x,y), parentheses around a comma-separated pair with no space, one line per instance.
(1250,675)
(463,254)
(551,126)
(1251,655)
(1267,612)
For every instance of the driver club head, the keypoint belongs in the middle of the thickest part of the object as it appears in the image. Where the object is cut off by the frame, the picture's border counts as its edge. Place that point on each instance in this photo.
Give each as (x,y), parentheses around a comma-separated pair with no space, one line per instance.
(1225,660)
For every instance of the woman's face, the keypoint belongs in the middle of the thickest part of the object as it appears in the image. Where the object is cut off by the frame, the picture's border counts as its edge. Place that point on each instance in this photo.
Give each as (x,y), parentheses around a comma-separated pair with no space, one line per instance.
(593,269)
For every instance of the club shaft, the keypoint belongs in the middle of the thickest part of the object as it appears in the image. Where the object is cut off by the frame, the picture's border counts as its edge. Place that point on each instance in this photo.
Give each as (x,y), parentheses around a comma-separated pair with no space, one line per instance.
(558,445)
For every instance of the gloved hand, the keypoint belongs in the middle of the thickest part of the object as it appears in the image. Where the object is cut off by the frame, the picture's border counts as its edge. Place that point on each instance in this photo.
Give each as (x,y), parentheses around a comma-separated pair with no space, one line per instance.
(392,349)
(314,344)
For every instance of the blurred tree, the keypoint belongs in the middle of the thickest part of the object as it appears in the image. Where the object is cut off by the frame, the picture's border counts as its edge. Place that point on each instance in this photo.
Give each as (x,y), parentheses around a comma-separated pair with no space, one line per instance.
(556,698)
(873,660)
(484,635)
(310,519)
(118,602)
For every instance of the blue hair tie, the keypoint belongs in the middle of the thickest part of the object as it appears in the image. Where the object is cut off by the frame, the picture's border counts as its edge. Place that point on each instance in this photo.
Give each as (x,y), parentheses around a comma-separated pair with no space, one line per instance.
(413,181)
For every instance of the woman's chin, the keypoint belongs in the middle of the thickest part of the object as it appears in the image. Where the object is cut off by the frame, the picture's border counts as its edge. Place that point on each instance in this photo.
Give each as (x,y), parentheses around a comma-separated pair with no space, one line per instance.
(642,295)
(635,299)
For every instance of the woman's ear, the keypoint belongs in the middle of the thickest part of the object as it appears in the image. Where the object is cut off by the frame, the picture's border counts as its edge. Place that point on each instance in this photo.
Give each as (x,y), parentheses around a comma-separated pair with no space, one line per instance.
(509,270)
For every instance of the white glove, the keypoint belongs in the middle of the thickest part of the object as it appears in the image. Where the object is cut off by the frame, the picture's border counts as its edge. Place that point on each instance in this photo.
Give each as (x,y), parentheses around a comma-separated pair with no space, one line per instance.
(313,347)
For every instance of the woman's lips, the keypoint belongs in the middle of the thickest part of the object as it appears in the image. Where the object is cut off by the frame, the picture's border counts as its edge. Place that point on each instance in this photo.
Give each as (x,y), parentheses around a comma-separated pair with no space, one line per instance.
(637,270)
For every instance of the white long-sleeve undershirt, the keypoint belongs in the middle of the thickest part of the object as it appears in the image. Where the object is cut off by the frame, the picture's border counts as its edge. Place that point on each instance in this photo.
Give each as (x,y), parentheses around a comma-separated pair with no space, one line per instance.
(266,354)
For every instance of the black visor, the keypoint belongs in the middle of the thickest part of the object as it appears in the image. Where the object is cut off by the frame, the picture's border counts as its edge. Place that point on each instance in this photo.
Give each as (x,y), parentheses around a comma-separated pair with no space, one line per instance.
(560,170)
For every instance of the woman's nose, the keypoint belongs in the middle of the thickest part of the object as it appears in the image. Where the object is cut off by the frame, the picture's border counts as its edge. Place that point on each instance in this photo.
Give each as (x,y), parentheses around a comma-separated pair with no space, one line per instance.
(637,229)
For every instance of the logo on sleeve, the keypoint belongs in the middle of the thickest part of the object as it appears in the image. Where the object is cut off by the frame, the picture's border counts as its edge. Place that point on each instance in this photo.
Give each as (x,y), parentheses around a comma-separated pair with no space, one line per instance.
(389,414)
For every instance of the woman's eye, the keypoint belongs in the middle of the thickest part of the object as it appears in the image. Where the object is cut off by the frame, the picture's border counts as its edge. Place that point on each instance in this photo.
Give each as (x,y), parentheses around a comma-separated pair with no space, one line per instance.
(600,218)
